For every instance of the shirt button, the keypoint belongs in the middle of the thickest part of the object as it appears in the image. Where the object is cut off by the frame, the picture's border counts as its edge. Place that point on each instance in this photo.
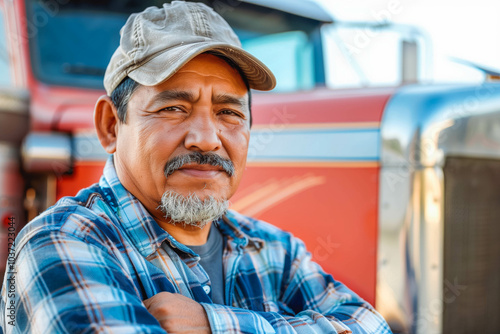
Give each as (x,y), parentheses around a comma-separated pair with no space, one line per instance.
(207,289)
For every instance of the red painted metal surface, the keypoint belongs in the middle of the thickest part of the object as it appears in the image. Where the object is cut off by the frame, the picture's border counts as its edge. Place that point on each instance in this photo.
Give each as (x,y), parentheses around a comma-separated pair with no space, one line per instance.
(82,176)
(322,106)
(62,109)
(334,213)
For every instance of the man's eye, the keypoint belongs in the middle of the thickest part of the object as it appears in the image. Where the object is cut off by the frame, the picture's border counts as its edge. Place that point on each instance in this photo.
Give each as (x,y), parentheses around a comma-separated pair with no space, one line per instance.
(171,109)
(230,113)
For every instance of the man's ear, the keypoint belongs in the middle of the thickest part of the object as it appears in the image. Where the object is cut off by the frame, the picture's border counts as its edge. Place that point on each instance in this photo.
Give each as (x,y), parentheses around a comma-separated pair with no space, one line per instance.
(106,123)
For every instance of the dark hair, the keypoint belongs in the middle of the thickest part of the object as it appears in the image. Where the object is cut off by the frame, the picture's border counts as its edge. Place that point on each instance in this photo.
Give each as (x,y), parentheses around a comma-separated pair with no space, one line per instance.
(123,92)
(121,96)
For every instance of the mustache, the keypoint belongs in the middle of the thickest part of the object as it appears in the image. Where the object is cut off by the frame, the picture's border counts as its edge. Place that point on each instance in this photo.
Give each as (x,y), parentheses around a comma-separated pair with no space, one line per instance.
(202,159)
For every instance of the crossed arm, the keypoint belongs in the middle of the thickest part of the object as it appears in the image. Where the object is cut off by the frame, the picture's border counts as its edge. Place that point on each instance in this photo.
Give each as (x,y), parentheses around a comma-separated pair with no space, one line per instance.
(66,285)
(312,302)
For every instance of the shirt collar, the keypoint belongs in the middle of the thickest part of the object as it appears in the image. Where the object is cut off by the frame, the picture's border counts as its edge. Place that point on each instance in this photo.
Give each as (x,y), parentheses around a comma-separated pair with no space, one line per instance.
(239,227)
(146,235)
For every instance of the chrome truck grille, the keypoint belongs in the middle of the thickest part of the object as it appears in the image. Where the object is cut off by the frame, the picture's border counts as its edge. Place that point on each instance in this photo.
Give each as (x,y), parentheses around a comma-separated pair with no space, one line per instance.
(439,212)
(471,273)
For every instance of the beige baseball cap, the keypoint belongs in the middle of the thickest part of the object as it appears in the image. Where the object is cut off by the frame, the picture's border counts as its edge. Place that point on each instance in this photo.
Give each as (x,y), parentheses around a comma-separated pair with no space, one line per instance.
(157,42)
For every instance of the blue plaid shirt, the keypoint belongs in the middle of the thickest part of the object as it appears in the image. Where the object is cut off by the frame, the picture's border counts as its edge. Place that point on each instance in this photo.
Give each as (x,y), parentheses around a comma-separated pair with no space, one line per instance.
(87,263)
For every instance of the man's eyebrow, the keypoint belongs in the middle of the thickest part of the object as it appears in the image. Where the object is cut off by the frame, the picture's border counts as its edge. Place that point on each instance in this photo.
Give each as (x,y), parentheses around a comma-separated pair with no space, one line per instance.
(230,99)
(225,98)
(169,95)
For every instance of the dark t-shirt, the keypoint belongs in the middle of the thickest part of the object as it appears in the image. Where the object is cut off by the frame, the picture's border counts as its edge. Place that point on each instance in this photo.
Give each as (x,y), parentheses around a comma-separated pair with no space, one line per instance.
(211,260)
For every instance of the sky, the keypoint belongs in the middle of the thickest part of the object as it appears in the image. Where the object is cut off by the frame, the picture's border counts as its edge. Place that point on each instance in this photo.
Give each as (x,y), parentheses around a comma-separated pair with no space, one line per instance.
(468,30)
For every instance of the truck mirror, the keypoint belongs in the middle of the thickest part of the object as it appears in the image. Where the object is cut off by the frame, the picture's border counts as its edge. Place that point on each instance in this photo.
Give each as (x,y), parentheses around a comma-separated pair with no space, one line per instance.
(47,152)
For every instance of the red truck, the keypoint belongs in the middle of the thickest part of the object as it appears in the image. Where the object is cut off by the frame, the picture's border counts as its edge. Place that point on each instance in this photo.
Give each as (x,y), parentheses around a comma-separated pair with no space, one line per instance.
(394,190)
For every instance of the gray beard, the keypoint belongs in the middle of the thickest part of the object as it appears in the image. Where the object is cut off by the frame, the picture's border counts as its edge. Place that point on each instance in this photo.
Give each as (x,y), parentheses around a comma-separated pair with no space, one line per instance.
(191,210)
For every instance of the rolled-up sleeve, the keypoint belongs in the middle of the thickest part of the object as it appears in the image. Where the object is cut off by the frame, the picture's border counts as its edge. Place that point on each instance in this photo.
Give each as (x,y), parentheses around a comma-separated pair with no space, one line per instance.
(68,285)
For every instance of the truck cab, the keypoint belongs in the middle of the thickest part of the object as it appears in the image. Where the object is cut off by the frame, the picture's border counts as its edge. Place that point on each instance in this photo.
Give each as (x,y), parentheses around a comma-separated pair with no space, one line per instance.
(392,188)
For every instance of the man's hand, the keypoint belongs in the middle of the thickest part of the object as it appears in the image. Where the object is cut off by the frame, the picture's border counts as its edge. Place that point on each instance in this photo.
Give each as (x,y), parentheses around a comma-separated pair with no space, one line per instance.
(178,314)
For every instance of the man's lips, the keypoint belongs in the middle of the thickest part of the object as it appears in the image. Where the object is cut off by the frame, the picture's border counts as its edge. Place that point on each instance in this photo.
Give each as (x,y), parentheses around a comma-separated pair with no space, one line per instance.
(203,171)
(197,164)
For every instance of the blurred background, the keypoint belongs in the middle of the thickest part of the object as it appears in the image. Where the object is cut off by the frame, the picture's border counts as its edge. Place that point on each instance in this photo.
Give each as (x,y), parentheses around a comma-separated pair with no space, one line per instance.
(379,147)
(464,30)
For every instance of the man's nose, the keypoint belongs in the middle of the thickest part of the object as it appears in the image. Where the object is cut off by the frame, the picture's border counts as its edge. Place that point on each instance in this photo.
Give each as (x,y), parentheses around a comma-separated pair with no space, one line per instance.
(203,135)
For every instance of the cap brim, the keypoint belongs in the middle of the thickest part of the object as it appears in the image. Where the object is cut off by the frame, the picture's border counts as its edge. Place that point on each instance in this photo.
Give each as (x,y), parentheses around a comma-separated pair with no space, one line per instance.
(162,66)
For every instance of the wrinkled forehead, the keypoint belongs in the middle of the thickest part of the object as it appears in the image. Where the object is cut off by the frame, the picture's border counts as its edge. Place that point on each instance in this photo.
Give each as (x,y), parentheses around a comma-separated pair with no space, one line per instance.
(226,83)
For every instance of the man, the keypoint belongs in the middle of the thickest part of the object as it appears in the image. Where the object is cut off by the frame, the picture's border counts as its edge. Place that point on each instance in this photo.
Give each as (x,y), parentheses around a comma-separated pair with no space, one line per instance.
(152,247)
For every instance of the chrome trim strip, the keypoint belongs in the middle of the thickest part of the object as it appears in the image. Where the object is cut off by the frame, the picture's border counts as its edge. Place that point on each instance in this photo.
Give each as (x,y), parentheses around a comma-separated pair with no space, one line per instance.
(314,145)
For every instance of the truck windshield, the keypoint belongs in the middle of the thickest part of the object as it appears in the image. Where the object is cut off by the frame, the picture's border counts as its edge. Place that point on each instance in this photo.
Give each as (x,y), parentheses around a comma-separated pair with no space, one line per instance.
(71,42)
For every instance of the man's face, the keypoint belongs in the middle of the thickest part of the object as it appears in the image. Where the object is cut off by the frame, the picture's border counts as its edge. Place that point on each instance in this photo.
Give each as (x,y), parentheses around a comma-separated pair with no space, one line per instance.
(202,108)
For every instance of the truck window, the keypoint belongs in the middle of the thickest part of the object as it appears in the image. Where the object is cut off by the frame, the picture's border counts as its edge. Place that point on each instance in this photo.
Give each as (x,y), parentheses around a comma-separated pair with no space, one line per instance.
(289,55)
(74,46)
(76,40)
(5,75)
